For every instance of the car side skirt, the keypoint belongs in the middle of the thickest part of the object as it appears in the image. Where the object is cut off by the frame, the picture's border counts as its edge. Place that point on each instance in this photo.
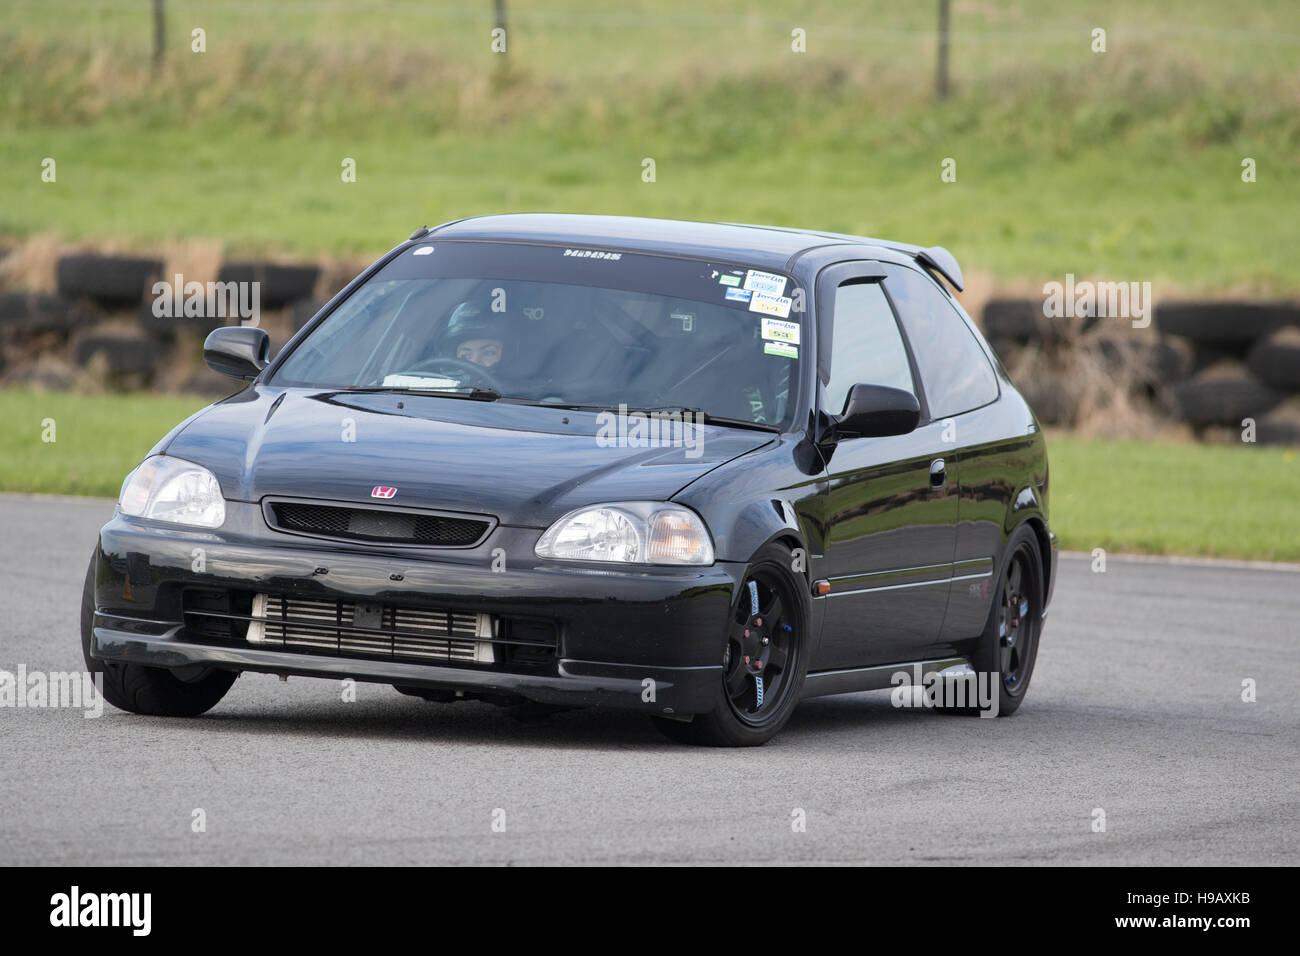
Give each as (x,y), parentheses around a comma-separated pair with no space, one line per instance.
(855,679)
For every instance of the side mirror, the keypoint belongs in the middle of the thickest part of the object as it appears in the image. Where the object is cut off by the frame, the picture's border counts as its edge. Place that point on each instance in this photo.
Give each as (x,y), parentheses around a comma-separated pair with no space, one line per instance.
(873,411)
(238,350)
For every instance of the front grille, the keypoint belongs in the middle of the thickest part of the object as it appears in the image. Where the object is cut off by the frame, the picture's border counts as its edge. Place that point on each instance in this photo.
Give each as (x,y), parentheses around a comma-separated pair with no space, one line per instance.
(393,526)
(375,630)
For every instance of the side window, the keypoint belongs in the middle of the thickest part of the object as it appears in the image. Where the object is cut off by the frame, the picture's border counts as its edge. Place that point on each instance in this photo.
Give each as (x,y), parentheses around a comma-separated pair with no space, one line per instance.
(866,346)
(954,369)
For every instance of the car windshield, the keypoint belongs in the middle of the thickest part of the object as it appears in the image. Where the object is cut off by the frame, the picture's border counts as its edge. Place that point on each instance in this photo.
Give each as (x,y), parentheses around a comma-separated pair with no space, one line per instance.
(565,326)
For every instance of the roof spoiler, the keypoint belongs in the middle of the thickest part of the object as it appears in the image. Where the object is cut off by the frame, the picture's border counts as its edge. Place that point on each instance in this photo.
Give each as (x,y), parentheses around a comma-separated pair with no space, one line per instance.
(943,262)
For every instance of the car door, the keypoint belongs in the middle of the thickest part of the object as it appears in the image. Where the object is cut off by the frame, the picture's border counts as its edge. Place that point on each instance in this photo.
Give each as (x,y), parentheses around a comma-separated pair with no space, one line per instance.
(961,391)
(891,503)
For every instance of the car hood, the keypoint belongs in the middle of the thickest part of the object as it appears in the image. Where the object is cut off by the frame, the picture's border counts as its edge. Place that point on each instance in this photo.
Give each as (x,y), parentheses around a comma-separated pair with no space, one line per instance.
(526,465)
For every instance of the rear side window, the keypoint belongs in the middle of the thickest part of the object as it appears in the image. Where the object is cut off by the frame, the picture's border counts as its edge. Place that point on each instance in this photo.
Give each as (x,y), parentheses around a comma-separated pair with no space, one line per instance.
(867,347)
(954,369)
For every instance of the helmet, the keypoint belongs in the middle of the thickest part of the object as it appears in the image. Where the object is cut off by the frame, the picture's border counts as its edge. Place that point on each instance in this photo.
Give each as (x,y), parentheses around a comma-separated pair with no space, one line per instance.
(474,320)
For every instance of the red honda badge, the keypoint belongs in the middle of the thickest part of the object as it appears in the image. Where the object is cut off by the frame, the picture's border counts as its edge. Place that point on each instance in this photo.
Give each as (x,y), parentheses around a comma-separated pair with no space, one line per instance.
(382,491)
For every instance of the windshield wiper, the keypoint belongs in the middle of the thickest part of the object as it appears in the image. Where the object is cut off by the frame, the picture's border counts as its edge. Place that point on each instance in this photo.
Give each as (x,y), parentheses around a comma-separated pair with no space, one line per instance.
(701,415)
(471,392)
(698,413)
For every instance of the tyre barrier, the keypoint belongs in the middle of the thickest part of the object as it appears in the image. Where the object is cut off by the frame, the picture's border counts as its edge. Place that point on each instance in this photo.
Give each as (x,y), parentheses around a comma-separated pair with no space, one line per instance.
(1213,364)
(122,355)
(1280,426)
(1275,360)
(25,316)
(1021,322)
(108,280)
(164,327)
(1150,364)
(1224,394)
(1224,323)
(278,285)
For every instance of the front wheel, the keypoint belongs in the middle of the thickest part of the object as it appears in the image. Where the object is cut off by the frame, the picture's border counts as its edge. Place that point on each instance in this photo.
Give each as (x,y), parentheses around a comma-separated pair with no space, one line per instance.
(764,659)
(153,691)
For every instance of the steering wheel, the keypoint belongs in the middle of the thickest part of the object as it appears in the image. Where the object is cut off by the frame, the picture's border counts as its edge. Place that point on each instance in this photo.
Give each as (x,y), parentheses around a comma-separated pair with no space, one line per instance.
(476,374)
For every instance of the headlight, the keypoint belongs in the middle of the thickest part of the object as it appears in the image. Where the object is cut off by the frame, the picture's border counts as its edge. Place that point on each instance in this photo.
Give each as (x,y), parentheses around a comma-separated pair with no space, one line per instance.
(631,532)
(175,491)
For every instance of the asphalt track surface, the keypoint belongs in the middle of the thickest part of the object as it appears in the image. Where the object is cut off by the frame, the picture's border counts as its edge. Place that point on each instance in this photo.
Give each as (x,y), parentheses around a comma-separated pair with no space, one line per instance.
(1135,709)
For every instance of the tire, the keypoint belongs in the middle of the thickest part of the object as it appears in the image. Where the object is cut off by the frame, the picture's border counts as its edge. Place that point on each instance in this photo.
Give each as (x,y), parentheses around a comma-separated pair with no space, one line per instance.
(277,285)
(1148,364)
(751,653)
(152,691)
(1012,662)
(1275,361)
(123,355)
(1224,323)
(1022,322)
(1224,394)
(1014,320)
(1282,425)
(1208,356)
(23,317)
(111,280)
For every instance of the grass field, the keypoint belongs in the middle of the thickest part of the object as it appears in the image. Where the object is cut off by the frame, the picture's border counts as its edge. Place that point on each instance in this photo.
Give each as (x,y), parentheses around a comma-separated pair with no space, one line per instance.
(1165,498)
(97,439)
(1156,498)
(1124,164)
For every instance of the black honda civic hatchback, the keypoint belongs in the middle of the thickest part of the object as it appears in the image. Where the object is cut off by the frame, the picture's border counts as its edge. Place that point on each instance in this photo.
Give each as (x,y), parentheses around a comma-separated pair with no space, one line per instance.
(702,471)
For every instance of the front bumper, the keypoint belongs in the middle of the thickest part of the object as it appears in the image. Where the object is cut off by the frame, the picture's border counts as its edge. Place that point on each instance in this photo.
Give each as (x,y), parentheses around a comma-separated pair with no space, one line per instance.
(643,639)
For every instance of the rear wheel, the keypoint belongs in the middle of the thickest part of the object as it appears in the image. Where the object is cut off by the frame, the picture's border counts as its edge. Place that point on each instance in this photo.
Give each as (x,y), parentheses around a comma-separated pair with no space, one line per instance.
(764,659)
(153,691)
(1008,647)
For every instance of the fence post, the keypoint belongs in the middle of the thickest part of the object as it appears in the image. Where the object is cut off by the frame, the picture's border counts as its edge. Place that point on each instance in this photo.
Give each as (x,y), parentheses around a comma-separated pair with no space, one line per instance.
(941,66)
(159,33)
(499,15)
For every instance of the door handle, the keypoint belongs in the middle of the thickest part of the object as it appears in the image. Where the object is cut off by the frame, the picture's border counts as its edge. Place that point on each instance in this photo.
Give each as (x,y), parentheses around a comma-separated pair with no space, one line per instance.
(938,473)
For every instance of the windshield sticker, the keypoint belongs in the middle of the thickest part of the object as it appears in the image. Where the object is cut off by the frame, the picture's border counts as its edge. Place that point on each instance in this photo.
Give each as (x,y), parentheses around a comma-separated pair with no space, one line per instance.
(781,331)
(738,295)
(727,279)
(768,282)
(766,302)
(592,254)
(781,349)
(687,319)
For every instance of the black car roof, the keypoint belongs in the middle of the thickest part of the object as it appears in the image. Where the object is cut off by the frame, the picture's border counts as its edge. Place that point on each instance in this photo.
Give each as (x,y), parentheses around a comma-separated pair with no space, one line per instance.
(770,246)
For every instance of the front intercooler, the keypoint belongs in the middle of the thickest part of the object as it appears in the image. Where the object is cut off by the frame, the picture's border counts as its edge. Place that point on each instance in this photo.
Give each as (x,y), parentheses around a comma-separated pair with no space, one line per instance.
(354,628)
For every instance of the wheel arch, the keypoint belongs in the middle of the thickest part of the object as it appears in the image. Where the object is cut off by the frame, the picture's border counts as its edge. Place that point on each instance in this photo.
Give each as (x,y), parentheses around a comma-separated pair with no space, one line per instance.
(761,523)
(1039,527)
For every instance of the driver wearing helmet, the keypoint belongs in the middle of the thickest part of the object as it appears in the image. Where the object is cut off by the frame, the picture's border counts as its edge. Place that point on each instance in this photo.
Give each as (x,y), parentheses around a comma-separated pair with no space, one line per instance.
(475,334)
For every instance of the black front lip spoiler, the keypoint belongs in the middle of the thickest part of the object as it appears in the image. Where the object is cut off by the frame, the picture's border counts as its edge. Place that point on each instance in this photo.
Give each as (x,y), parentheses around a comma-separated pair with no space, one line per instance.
(676,690)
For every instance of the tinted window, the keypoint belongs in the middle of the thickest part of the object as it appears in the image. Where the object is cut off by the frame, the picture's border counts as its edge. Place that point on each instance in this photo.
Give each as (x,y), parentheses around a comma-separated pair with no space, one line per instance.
(954,369)
(866,346)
